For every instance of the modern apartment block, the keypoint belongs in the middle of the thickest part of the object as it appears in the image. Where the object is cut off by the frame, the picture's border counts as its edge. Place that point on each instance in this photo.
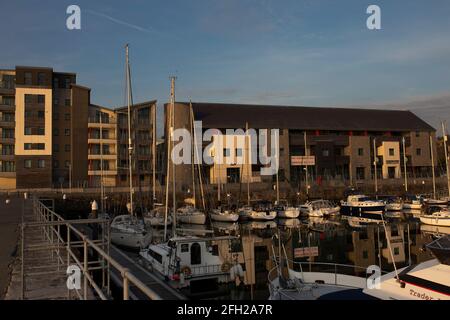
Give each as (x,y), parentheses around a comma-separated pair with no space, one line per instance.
(52,136)
(341,144)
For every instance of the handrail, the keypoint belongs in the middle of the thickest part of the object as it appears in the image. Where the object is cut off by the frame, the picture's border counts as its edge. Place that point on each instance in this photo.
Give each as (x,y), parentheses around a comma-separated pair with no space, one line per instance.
(48,219)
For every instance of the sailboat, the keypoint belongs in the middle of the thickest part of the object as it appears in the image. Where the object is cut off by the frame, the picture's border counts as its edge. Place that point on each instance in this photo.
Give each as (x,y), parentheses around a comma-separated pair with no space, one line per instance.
(127,230)
(434,201)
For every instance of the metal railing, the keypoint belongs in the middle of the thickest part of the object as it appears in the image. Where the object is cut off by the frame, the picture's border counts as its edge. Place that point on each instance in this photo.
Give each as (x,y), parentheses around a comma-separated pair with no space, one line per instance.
(75,248)
(207,270)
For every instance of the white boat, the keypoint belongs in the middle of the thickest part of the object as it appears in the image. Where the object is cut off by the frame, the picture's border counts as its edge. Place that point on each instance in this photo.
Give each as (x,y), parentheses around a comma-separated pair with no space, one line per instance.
(319,208)
(186,259)
(435,202)
(394,204)
(362,207)
(394,214)
(285,211)
(435,230)
(262,215)
(156,217)
(436,216)
(128,231)
(428,280)
(224,215)
(412,202)
(191,215)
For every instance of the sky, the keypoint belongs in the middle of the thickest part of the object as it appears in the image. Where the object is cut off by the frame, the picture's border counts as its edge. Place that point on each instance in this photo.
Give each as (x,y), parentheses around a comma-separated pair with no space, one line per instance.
(281,52)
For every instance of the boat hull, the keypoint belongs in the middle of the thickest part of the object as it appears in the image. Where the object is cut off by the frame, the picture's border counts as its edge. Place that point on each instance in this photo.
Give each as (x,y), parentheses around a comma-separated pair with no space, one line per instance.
(436,221)
(230,217)
(192,218)
(263,215)
(130,240)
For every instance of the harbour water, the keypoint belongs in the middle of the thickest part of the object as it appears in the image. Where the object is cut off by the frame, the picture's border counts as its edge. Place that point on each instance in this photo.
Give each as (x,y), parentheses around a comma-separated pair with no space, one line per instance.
(316,244)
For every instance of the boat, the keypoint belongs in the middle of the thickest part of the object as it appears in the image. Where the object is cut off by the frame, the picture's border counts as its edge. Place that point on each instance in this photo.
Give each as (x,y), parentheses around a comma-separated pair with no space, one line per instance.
(429,280)
(263,210)
(156,217)
(191,215)
(319,208)
(436,216)
(283,210)
(412,202)
(394,204)
(185,260)
(362,207)
(224,215)
(128,231)
(435,202)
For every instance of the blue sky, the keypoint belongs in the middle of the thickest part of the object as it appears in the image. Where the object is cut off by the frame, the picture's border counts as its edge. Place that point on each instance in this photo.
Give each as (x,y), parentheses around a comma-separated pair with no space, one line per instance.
(287,52)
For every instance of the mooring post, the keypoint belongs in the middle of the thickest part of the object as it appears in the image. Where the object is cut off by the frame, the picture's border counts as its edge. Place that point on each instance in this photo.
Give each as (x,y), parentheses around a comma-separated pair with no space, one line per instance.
(125,285)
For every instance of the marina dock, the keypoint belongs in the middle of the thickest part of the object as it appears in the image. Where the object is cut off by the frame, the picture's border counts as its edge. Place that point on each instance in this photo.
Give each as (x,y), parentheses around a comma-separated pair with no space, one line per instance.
(50,246)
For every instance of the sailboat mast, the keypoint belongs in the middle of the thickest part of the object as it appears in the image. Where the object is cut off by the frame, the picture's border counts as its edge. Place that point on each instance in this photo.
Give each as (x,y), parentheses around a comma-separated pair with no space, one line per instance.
(172,105)
(130,147)
(102,195)
(154,153)
(249,167)
(278,164)
(375,165)
(432,167)
(444,137)
(192,154)
(168,135)
(404,164)
(306,167)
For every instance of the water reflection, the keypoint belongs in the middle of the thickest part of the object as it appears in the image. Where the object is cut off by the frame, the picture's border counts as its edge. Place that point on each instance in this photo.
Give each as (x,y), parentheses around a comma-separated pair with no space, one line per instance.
(316,240)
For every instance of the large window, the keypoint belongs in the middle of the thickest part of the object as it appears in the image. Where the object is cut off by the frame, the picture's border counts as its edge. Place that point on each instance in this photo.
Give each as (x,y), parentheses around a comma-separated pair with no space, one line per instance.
(7,166)
(418,151)
(28,78)
(41,163)
(7,149)
(360,152)
(34,146)
(27,164)
(7,133)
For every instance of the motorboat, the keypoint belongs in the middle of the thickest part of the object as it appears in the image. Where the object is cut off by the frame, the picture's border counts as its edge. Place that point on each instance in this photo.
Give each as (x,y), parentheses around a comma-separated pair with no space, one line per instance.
(319,208)
(263,210)
(224,215)
(157,217)
(412,202)
(362,207)
(283,210)
(429,280)
(185,259)
(435,202)
(436,216)
(394,204)
(129,231)
(189,214)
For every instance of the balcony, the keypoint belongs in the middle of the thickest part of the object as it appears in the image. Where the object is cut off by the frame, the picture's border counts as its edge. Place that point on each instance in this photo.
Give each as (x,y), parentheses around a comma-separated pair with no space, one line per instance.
(7,107)
(110,140)
(110,172)
(7,140)
(7,124)
(104,156)
(7,157)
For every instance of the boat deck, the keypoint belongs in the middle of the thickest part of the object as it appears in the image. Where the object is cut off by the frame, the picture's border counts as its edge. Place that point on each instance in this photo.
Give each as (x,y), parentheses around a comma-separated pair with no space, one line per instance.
(163,289)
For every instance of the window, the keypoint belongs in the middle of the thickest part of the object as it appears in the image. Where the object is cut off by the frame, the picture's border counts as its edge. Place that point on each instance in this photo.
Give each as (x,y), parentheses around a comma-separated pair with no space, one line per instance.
(396,251)
(67,148)
(28,78)
(67,83)
(55,164)
(360,152)
(67,132)
(7,133)
(41,99)
(27,146)
(326,153)
(56,147)
(226,152)
(41,164)
(418,151)
(67,116)
(7,149)
(28,131)
(56,132)
(391,152)
(67,102)
(239,152)
(360,173)
(34,146)
(40,131)
(28,98)
(9,101)
(27,164)
(67,164)
(55,116)
(184,247)
(41,78)
(7,166)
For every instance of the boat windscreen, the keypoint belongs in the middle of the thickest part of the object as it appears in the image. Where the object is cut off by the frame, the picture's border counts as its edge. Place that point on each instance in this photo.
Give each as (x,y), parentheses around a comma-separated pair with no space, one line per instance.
(441,249)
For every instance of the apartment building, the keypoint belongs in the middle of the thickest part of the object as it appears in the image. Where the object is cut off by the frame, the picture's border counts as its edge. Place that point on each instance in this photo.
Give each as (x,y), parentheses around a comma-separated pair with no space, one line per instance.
(51,135)
(330,143)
